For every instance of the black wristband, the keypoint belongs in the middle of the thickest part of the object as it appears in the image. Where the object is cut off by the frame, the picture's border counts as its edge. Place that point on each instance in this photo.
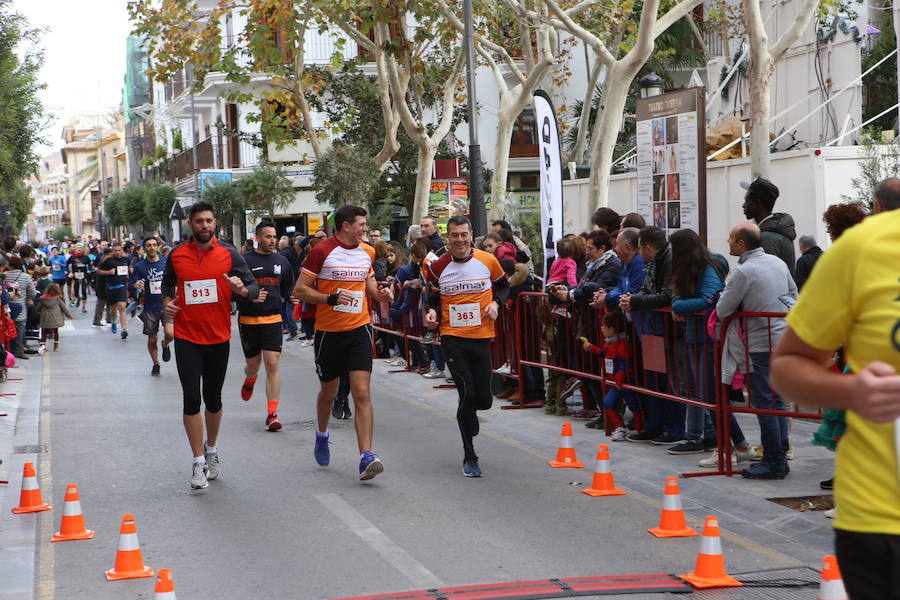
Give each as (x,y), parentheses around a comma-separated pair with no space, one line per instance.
(332,299)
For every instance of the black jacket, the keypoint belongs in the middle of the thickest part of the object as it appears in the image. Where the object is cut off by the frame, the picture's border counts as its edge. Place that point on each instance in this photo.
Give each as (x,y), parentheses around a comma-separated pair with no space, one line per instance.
(805,265)
(778,235)
(657,289)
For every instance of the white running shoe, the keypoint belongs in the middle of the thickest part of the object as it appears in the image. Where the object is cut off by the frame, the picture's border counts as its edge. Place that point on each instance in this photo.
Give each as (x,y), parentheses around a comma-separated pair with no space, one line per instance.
(198,477)
(619,434)
(504,370)
(737,456)
(831,513)
(434,374)
(212,464)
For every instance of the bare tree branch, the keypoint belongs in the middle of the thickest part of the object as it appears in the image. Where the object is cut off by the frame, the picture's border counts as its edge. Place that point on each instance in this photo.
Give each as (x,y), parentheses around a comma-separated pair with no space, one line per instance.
(676,12)
(588,37)
(790,37)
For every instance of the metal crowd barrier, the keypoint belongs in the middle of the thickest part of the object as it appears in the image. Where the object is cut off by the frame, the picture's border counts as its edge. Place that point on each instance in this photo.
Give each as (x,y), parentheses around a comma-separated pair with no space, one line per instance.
(672,358)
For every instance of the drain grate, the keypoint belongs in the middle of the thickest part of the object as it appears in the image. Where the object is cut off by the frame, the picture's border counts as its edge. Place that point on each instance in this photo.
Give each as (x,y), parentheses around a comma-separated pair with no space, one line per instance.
(29,449)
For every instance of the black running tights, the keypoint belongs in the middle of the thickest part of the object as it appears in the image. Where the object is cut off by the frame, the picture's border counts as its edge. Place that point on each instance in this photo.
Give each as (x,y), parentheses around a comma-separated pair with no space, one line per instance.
(469,361)
(201,365)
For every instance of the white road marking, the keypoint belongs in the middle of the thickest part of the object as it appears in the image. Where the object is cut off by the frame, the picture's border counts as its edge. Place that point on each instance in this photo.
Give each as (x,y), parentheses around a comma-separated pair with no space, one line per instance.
(417,573)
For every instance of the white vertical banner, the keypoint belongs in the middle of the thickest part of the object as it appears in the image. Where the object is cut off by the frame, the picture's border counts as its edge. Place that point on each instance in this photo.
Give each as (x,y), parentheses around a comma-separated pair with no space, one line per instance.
(551,176)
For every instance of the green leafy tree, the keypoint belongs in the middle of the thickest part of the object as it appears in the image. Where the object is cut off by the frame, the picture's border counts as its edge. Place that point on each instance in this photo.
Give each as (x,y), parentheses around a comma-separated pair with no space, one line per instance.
(226,201)
(345,174)
(21,113)
(879,161)
(112,206)
(880,90)
(158,201)
(265,190)
(131,201)
(62,231)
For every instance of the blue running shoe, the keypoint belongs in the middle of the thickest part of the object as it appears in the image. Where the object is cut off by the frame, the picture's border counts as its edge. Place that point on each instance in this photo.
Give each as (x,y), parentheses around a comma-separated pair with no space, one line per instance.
(369,466)
(470,467)
(321,451)
(114,328)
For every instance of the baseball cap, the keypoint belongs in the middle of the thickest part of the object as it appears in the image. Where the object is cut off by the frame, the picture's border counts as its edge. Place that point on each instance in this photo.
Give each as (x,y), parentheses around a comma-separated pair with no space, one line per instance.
(762,189)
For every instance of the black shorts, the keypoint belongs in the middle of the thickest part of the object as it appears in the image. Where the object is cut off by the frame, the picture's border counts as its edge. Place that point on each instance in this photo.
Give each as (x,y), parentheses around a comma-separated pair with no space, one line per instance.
(116,295)
(256,338)
(339,352)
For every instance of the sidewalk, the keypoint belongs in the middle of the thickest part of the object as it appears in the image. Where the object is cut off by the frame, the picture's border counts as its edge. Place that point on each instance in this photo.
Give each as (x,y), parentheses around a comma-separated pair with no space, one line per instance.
(642,469)
(19,443)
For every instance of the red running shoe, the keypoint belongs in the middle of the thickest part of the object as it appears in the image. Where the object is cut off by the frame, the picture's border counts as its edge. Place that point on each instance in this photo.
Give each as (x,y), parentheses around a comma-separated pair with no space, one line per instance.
(272,422)
(247,388)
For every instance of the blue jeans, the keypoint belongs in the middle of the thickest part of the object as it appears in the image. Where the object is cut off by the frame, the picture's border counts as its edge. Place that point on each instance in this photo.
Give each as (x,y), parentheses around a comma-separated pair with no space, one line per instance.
(437,355)
(287,317)
(662,415)
(774,429)
(700,382)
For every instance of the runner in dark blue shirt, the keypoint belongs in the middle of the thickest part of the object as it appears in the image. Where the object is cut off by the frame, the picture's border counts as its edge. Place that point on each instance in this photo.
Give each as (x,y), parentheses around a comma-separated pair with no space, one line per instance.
(117,271)
(146,277)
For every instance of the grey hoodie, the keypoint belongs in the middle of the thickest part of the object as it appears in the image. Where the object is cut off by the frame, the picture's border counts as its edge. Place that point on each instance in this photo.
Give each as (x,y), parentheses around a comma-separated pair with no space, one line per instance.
(757,285)
(778,235)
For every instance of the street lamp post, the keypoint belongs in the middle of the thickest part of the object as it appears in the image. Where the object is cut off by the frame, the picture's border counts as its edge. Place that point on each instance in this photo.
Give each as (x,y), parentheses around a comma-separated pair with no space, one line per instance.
(651,84)
(476,176)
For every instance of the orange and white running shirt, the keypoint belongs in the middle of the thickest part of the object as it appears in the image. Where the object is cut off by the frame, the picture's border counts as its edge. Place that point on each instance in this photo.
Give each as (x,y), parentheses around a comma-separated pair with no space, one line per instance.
(466,289)
(336,266)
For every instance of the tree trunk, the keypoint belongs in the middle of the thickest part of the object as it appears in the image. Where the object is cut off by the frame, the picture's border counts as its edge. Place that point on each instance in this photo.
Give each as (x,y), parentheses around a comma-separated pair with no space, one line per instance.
(424,165)
(308,126)
(499,206)
(759,72)
(577,155)
(604,143)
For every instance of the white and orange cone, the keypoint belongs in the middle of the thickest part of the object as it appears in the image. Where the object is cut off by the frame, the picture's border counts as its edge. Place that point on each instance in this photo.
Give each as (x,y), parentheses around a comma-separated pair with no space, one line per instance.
(565,453)
(30,499)
(832,586)
(603,484)
(72,525)
(165,587)
(129,562)
(709,571)
(671,519)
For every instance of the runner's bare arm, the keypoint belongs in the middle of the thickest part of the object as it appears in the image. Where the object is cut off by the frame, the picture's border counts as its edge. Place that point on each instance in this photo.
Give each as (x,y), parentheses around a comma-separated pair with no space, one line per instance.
(799,373)
(305,290)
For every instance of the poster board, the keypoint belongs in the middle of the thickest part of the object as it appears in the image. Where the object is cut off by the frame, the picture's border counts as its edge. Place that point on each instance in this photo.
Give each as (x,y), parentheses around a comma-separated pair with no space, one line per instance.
(448,197)
(671,160)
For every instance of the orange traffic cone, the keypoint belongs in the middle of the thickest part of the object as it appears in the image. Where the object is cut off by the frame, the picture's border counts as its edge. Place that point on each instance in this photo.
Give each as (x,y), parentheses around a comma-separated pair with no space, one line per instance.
(832,586)
(709,571)
(129,562)
(565,453)
(72,526)
(165,588)
(603,484)
(671,519)
(30,500)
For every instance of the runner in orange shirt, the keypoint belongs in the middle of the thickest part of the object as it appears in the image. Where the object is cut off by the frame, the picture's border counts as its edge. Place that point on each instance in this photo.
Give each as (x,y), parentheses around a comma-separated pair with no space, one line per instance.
(338,277)
(469,287)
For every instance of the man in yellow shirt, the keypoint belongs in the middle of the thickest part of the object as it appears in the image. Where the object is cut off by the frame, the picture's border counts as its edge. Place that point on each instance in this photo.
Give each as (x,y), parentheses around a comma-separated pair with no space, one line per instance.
(852,299)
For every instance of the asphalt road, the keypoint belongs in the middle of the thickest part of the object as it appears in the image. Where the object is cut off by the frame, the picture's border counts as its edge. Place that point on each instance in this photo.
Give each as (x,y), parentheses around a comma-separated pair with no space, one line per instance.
(276,525)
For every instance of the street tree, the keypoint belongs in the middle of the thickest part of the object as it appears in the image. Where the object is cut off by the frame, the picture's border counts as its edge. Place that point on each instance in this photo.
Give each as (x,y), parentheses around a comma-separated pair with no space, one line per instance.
(21,114)
(266,60)
(421,62)
(596,23)
(265,191)
(345,175)
(763,60)
(501,35)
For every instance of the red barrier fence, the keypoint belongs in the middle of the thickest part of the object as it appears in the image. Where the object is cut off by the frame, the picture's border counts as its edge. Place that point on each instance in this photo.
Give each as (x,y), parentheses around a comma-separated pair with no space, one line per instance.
(674,363)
